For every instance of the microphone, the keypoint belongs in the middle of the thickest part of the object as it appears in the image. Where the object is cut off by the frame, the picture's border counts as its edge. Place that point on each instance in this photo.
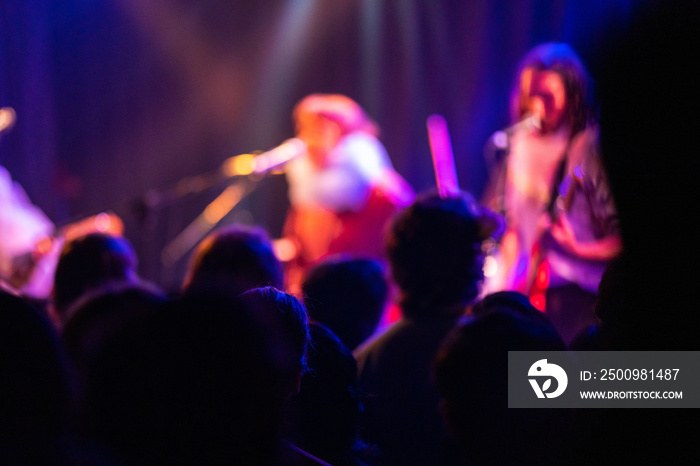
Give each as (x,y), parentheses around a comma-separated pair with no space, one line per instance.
(8,116)
(501,138)
(248,164)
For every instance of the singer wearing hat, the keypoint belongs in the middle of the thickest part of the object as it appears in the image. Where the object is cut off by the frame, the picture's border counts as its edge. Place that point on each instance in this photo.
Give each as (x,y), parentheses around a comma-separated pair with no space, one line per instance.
(343,189)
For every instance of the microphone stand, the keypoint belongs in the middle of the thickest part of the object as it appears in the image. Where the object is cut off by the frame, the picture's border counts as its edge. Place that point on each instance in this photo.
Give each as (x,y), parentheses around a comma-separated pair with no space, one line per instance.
(247,170)
(251,166)
(146,207)
(240,173)
(212,214)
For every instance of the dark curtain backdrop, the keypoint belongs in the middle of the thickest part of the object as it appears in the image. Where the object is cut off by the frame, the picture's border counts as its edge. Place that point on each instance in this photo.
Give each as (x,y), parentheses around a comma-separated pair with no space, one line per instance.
(120,99)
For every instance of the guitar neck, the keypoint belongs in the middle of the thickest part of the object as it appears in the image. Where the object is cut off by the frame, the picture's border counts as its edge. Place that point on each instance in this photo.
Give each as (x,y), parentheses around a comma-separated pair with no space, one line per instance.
(104,222)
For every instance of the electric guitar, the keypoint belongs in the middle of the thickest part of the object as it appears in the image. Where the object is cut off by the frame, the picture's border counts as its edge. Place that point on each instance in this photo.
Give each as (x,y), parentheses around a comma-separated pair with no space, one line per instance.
(33,270)
(562,255)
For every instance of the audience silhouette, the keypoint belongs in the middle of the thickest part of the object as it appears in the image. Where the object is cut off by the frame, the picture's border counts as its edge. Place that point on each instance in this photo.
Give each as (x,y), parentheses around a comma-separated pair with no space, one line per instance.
(198,380)
(324,417)
(234,259)
(648,96)
(471,371)
(434,250)
(232,370)
(36,390)
(88,262)
(348,295)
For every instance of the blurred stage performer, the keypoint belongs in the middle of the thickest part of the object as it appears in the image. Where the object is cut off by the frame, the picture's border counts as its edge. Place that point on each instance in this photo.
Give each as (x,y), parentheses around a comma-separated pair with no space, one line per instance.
(343,189)
(562,224)
(30,243)
(22,226)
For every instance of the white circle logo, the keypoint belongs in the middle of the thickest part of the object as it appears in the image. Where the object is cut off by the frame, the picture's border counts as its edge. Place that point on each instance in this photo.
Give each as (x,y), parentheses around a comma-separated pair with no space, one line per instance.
(545,372)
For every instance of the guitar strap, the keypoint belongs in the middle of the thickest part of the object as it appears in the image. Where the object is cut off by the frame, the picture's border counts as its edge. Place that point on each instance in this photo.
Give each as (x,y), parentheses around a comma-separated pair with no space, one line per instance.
(559,176)
(538,254)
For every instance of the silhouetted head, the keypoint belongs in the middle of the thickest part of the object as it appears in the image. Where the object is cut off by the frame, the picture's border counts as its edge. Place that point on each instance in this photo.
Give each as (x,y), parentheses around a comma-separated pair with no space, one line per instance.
(232,260)
(198,380)
(101,313)
(35,386)
(88,262)
(434,249)
(291,318)
(471,372)
(323,419)
(510,301)
(347,295)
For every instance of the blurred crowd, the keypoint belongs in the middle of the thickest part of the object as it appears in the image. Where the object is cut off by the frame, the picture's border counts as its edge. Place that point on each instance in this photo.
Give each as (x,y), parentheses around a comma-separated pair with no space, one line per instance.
(381,341)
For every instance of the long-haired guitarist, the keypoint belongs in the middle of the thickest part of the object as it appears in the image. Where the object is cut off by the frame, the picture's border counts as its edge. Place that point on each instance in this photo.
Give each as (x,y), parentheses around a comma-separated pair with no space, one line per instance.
(561,219)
